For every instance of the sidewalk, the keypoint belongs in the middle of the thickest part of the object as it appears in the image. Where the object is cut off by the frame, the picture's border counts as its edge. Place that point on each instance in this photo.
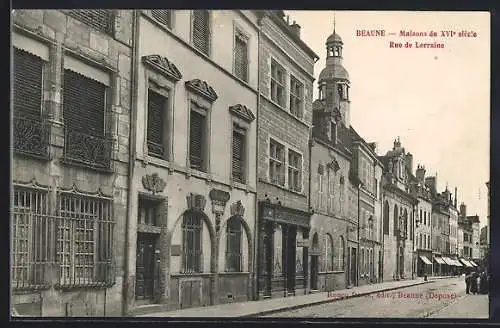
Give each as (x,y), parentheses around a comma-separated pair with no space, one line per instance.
(264,307)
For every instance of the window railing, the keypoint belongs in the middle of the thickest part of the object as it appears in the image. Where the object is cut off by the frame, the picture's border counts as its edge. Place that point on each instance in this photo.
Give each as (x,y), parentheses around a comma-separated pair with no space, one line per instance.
(156,150)
(93,151)
(31,136)
(192,261)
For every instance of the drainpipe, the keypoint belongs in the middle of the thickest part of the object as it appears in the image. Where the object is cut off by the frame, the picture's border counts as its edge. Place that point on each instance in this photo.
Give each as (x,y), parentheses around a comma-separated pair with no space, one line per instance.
(257,211)
(132,157)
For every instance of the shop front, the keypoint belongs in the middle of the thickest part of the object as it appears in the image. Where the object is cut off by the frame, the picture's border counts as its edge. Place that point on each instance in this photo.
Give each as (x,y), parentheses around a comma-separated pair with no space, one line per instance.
(424,264)
(283,258)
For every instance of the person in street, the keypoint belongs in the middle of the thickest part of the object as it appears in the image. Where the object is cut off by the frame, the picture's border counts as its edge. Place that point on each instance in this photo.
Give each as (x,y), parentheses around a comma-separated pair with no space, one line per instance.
(483,283)
(468,277)
(473,283)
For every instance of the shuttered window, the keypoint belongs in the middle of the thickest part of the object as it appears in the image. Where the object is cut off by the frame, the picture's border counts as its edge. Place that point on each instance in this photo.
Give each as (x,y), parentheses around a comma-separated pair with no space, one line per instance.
(238,157)
(163,16)
(100,19)
(28,72)
(196,140)
(201,30)
(156,124)
(84,104)
(241,57)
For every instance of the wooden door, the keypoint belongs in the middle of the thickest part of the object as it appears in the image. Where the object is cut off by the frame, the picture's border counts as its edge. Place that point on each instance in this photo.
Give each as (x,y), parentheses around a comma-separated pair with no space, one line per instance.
(145,265)
(190,294)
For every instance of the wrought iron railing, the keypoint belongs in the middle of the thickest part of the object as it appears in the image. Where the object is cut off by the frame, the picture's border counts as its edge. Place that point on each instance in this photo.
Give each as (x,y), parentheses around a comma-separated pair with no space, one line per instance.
(31,136)
(88,149)
(53,250)
(156,150)
(192,261)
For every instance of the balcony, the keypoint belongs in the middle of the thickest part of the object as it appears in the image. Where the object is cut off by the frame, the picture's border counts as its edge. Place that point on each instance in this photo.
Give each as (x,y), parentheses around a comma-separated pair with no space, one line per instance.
(87,149)
(31,137)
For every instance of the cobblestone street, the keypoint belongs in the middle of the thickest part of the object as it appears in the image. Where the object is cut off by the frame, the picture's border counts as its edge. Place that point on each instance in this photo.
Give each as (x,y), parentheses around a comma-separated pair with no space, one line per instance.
(444,298)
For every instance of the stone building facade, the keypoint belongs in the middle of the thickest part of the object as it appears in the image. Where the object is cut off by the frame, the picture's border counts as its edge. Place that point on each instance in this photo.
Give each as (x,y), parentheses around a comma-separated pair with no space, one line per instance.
(71,116)
(345,177)
(287,252)
(192,213)
(399,207)
(423,224)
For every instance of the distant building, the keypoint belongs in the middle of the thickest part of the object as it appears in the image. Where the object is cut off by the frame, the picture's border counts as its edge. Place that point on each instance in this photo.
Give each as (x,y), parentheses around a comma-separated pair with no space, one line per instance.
(474,219)
(399,208)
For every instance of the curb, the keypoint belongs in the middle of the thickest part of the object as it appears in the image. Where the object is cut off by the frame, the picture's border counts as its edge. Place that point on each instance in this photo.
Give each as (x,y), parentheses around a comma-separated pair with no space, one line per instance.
(329,300)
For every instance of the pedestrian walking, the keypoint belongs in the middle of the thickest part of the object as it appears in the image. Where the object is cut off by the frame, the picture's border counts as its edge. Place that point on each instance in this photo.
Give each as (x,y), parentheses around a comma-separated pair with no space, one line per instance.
(473,283)
(468,277)
(483,283)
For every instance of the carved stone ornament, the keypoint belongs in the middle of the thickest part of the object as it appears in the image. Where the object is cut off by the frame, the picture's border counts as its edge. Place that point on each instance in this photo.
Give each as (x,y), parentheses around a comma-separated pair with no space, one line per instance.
(163,66)
(196,202)
(321,169)
(153,183)
(219,199)
(334,165)
(242,112)
(202,88)
(238,209)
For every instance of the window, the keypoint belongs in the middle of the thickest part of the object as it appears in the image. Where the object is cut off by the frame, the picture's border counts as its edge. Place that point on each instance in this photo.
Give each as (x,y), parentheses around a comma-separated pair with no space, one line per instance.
(331,191)
(191,242)
(333,132)
(197,136)
(320,191)
(233,244)
(340,91)
(100,19)
(396,217)
(31,242)
(376,188)
(386,218)
(157,104)
(148,212)
(201,31)
(85,240)
(84,109)
(241,56)
(276,163)
(163,16)
(277,83)
(30,136)
(296,97)
(329,255)
(294,171)
(362,264)
(339,256)
(238,154)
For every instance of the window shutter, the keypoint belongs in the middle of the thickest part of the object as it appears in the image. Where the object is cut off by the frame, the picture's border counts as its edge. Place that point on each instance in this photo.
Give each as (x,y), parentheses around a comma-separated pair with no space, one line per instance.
(84,104)
(238,148)
(162,16)
(240,56)
(156,104)
(27,84)
(100,19)
(196,140)
(201,30)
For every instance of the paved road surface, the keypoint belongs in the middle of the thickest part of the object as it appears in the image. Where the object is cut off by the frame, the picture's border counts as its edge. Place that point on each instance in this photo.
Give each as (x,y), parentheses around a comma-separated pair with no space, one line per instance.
(444,298)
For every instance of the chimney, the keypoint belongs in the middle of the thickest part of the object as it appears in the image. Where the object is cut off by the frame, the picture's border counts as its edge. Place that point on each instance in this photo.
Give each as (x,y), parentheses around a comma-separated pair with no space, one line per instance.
(463,210)
(295,29)
(420,173)
(373,146)
(409,162)
(430,182)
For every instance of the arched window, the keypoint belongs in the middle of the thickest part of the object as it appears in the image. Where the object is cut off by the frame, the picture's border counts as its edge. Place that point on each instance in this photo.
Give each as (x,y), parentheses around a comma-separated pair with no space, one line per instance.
(339,254)
(329,256)
(192,225)
(396,214)
(233,244)
(386,218)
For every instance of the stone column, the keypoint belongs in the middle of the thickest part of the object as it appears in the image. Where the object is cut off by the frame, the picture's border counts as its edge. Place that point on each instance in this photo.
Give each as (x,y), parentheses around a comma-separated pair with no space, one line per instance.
(53,97)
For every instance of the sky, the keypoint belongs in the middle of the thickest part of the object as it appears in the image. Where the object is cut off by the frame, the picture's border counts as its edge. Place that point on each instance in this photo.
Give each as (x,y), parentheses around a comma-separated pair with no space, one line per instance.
(436,100)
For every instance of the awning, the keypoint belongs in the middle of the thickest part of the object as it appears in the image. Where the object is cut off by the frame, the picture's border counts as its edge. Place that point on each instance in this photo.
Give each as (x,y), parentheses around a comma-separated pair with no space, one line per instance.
(457,263)
(448,261)
(439,260)
(467,263)
(473,263)
(425,259)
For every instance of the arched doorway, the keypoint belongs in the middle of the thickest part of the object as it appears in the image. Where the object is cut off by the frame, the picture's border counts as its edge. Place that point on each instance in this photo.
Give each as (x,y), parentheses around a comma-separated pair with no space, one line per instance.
(314,263)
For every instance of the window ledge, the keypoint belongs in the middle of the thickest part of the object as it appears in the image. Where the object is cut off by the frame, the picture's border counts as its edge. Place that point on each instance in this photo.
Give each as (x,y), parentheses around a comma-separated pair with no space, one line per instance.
(192,275)
(236,273)
(333,271)
(69,162)
(298,193)
(159,162)
(86,286)
(301,121)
